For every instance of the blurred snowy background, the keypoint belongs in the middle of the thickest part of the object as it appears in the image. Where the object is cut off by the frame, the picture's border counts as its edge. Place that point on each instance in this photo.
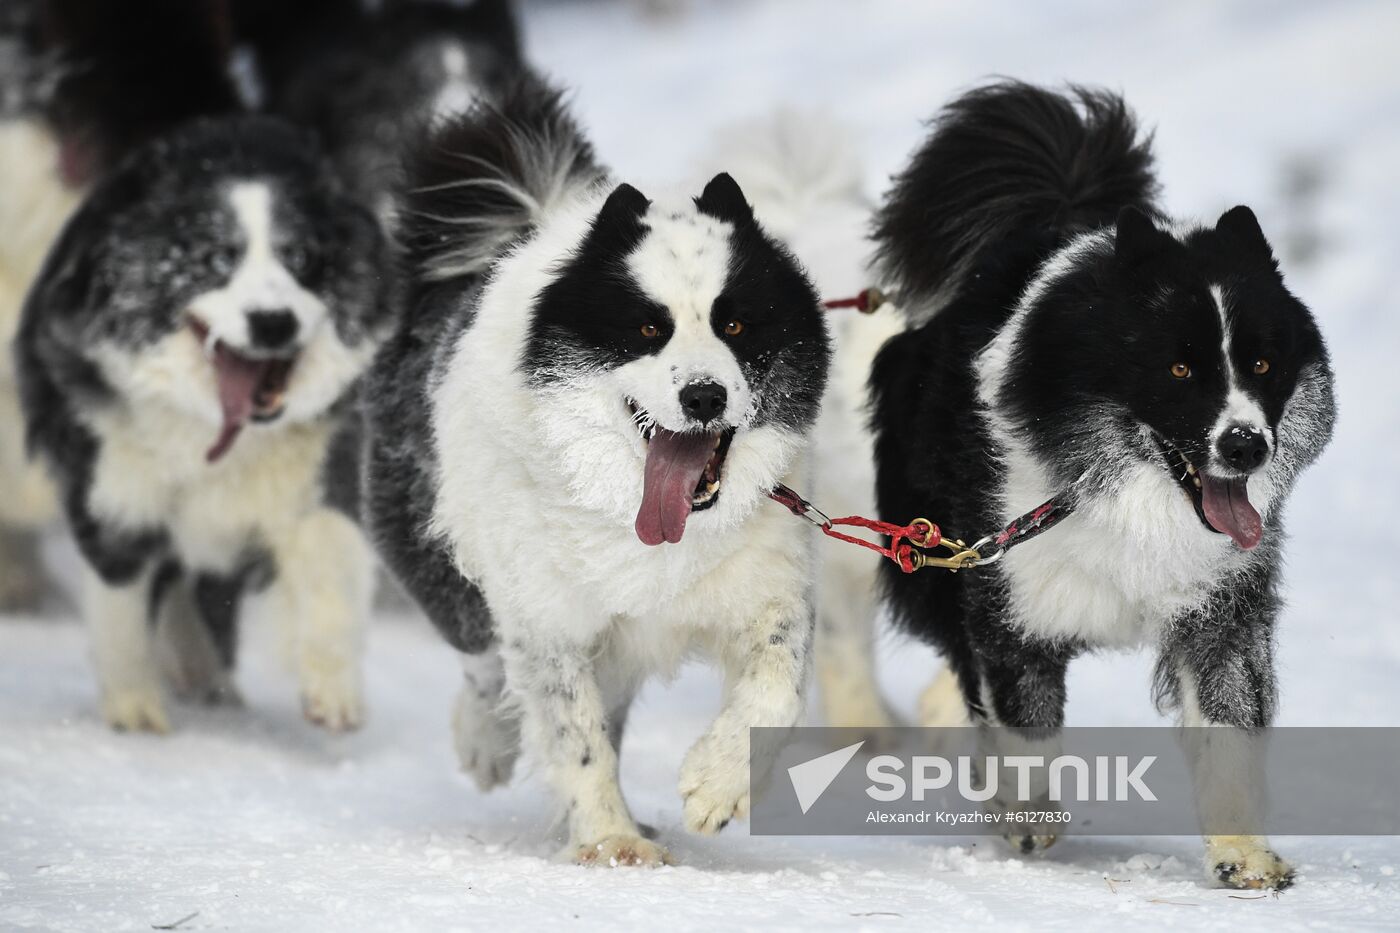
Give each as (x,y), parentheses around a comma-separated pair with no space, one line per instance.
(254,820)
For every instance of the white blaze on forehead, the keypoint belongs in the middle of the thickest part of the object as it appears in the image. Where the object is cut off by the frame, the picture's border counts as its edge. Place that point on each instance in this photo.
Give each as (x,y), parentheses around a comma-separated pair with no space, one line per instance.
(682,264)
(252,206)
(1240,409)
(260,282)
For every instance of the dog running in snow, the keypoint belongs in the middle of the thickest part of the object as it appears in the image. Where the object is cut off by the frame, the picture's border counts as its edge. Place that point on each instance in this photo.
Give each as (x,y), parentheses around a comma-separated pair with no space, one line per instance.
(187,358)
(1068,340)
(82,83)
(572,439)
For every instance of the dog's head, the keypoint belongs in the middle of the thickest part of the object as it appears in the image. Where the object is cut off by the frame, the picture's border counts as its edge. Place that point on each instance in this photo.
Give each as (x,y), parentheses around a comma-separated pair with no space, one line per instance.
(680,356)
(1179,349)
(222,273)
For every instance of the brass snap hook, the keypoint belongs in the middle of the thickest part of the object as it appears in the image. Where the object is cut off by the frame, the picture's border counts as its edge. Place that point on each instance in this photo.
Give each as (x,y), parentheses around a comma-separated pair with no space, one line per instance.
(960,558)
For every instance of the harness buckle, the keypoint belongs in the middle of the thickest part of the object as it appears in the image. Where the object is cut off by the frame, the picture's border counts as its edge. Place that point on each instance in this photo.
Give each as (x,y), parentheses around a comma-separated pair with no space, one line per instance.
(961,557)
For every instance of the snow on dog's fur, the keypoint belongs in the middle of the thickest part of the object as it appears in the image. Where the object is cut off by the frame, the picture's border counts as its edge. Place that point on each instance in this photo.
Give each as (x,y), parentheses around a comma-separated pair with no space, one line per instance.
(81,84)
(186,357)
(1068,342)
(572,439)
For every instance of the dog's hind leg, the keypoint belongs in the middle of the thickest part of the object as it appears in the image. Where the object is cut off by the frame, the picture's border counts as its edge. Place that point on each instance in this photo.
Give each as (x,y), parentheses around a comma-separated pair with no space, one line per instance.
(485,726)
(566,728)
(323,589)
(196,623)
(118,617)
(766,667)
(942,704)
(845,649)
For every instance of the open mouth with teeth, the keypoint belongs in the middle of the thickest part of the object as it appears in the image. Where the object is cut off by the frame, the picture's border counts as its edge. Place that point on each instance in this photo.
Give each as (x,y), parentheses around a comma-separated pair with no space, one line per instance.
(251,388)
(683,474)
(1221,503)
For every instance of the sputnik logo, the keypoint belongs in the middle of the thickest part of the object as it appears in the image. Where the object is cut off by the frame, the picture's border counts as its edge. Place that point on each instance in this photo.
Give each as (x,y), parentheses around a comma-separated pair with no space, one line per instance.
(811,778)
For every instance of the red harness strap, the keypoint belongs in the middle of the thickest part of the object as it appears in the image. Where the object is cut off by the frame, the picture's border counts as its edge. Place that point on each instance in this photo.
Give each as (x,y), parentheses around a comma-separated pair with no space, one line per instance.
(924,534)
(903,538)
(920,533)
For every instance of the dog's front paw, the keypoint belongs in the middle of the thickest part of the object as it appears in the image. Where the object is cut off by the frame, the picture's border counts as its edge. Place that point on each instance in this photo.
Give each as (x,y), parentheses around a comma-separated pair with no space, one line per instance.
(1026,834)
(1247,862)
(331,700)
(622,852)
(1029,843)
(486,737)
(714,786)
(135,709)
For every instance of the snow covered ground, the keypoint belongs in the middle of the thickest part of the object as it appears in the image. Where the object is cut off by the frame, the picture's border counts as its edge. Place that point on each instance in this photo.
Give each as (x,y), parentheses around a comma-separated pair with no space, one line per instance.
(251,819)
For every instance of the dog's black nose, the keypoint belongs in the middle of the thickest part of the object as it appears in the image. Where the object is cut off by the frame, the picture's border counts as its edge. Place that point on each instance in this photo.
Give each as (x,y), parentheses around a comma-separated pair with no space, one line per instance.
(704,401)
(1243,448)
(271,330)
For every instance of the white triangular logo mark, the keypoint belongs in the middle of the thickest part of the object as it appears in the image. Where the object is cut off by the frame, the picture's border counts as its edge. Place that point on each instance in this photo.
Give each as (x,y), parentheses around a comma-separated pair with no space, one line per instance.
(811,778)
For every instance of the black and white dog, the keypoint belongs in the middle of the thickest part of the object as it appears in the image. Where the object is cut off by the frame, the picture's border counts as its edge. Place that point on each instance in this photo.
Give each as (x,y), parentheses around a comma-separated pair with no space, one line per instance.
(82,83)
(573,436)
(186,359)
(1159,377)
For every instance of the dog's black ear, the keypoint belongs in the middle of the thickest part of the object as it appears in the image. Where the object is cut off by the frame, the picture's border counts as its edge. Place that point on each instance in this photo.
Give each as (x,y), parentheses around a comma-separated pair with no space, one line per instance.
(1138,238)
(723,200)
(1241,227)
(618,227)
(624,204)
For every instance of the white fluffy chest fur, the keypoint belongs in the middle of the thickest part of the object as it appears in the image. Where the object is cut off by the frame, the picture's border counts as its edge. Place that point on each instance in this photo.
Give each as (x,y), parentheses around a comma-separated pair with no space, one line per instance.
(1119,568)
(151,473)
(552,542)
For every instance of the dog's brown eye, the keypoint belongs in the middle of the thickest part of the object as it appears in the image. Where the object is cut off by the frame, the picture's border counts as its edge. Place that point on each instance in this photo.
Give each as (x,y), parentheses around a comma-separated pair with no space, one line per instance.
(1181,370)
(650,330)
(734,328)
(1261,366)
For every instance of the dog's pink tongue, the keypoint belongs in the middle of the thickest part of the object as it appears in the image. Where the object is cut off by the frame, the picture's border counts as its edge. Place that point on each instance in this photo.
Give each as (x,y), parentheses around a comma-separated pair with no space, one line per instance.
(238,380)
(1228,509)
(674,465)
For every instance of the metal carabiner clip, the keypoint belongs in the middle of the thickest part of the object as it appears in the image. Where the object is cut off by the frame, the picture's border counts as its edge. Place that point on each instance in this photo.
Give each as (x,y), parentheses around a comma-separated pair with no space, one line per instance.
(961,557)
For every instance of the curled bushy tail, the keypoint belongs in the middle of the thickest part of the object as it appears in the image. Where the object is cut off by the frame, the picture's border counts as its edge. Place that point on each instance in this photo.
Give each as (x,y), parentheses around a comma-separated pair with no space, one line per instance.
(481,181)
(1009,156)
